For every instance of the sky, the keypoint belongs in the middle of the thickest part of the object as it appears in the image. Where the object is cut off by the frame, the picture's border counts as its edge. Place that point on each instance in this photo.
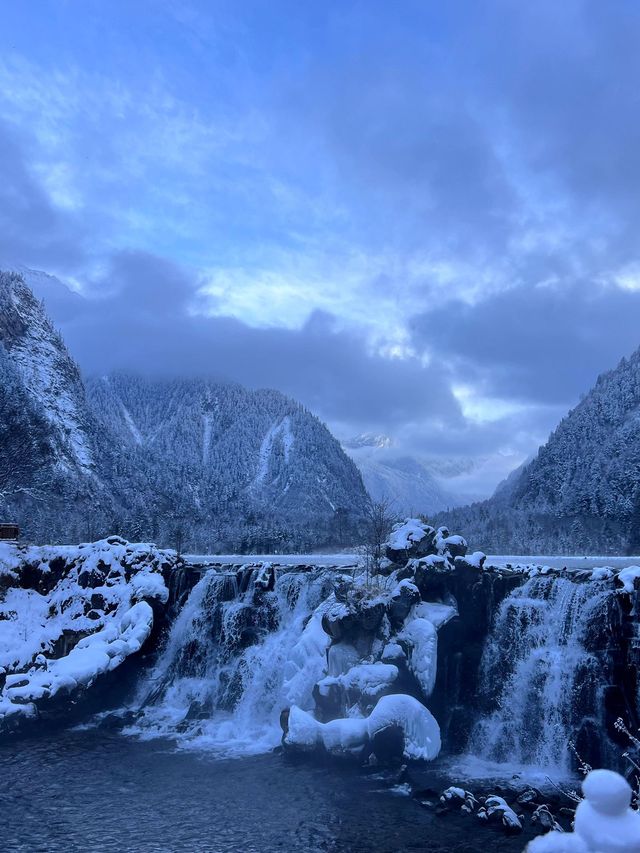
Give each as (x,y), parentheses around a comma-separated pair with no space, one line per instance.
(418,218)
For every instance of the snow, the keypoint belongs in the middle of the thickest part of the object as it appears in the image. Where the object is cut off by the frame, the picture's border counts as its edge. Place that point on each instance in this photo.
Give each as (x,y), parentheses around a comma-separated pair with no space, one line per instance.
(280,430)
(135,432)
(628,576)
(206,438)
(476,559)
(604,821)
(92,656)
(406,533)
(367,679)
(421,731)
(435,612)
(422,638)
(392,651)
(602,574)
(88,600)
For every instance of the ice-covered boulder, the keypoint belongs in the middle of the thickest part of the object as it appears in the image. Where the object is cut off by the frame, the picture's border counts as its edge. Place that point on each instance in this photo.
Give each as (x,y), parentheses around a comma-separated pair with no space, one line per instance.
(399,713)
(69,614)
(604,821)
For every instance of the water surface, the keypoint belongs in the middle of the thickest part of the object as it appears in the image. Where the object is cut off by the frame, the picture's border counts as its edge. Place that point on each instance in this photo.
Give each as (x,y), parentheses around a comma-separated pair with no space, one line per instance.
(89,790)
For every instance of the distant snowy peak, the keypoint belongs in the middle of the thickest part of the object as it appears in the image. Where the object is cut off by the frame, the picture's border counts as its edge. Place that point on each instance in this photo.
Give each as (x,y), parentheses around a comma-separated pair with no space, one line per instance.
(368,439)
(412,484)
(51,377)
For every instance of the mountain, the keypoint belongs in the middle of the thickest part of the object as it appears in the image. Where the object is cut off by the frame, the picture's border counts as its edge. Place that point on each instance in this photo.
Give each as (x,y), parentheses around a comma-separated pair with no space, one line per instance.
(198,464)
(48,453)
(581,493)
(414,485)
(222,464)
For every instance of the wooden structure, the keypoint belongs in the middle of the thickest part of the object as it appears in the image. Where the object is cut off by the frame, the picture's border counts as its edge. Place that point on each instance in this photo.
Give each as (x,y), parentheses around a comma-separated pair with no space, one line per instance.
(9,532)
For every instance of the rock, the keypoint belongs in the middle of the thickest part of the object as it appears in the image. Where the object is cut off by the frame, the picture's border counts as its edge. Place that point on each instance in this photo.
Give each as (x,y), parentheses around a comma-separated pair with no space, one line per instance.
(543,816)
(387,744)
(403,598)
(338,621)
(97,601)
(90,578)
(529,798)
(457,798)
(497,809)
(410,539)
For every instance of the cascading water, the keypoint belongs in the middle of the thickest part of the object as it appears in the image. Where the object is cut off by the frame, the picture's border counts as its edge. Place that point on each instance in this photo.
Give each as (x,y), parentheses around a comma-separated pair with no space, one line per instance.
(233,661)
(542,669)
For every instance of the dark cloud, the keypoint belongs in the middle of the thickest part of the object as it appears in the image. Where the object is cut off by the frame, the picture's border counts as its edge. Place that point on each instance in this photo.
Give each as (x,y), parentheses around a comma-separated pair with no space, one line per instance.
(32,230)
(145,324)
(537,344)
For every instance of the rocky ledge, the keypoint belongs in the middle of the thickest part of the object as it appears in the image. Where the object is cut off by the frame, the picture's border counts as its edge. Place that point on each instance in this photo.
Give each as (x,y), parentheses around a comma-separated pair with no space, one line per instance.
(71,614)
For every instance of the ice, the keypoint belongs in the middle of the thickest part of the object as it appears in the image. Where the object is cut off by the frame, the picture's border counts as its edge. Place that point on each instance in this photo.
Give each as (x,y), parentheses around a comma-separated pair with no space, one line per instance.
(422,639)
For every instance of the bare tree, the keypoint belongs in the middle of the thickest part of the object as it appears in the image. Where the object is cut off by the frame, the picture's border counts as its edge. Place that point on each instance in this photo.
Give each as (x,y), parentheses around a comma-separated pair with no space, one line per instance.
(379,521)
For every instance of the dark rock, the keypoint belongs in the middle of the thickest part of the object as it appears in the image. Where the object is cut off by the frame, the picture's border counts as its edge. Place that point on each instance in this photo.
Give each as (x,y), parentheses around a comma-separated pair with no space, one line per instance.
(97,601)
(403,599)
(388,745)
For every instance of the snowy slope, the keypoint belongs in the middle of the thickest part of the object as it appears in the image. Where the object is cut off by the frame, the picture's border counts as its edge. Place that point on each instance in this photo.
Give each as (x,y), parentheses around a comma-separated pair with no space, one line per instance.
(49,374)
(231,463)
(581,493)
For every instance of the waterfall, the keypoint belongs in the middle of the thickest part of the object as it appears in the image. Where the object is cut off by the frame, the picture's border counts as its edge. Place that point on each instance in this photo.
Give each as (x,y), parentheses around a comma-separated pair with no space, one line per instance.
(543,671)
(228,664)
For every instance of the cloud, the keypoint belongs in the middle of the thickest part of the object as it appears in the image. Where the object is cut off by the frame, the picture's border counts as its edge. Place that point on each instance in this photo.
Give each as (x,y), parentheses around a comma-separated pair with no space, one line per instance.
(387,210)
(140,318)
(32,229)
(544,344)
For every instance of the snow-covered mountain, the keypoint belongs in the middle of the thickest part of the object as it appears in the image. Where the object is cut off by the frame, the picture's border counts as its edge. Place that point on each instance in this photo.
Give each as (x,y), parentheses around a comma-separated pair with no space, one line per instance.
(581,493)
(48,373)
(49,458)
(249,468)
(414,485)
(194,463)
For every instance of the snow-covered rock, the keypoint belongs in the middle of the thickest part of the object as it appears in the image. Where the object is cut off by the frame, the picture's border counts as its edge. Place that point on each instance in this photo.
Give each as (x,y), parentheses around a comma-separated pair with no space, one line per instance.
(69,614)
(410,539)
(421,734)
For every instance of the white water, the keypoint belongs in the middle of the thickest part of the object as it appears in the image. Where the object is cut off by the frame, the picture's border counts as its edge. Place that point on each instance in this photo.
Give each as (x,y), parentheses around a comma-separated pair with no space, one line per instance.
(208,692)
(549,681)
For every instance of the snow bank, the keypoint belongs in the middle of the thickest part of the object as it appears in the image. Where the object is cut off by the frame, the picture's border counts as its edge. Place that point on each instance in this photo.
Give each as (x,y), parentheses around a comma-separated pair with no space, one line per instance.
(604,821)
(421,731)
(71,613)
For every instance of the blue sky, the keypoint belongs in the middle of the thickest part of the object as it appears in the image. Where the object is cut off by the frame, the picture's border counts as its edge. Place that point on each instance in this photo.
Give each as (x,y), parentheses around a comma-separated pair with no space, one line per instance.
(417,218)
